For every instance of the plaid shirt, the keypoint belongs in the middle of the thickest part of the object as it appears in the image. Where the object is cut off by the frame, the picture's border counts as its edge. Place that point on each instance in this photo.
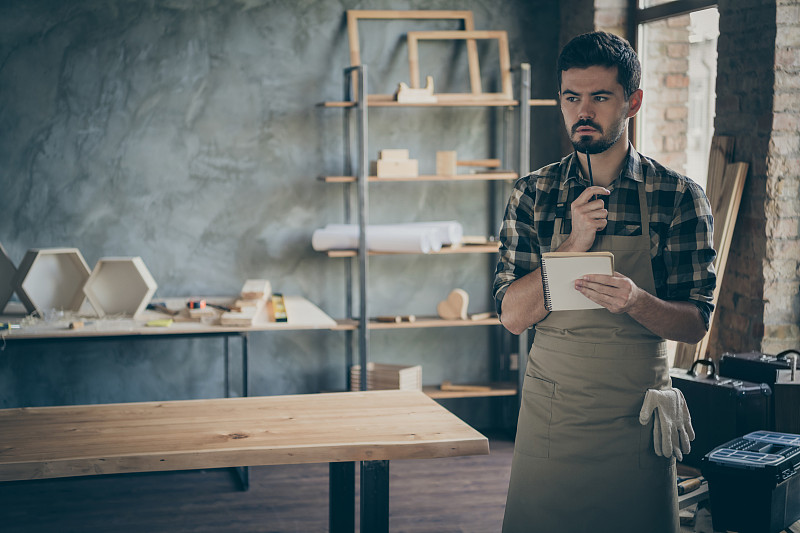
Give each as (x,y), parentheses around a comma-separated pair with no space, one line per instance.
(681,226)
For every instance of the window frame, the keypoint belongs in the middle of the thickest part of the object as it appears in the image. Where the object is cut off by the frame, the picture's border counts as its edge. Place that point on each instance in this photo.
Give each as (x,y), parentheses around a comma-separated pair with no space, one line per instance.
(638,16)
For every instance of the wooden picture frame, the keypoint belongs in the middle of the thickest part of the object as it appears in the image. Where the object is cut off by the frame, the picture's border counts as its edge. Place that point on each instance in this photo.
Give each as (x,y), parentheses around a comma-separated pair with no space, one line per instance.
(354,15)
(505,61)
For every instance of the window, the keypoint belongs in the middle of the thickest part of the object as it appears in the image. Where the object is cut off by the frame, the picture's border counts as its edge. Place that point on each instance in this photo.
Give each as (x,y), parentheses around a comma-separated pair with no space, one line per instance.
(677,45)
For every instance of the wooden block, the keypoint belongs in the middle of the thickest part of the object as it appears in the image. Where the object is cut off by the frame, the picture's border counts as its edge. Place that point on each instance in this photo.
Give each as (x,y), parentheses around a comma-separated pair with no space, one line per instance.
(482,316)
(256,289)
(245,317)
(446,163)
(201,312)
(388,168)
(394,154)
(411,95)
(454,307)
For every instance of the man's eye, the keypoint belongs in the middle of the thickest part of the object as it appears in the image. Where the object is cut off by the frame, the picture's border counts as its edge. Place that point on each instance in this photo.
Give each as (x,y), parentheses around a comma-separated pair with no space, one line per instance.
(571,99)
(601,98)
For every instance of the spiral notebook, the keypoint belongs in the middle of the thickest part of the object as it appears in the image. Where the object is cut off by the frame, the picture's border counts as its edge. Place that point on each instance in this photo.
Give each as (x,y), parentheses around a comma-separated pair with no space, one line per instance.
(561,269)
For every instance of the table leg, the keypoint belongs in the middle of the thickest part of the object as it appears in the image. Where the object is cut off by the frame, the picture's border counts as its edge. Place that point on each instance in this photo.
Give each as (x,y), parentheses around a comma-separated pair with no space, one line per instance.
(242,473)
(245,380)
(227,370)
(342,498)
(375,496)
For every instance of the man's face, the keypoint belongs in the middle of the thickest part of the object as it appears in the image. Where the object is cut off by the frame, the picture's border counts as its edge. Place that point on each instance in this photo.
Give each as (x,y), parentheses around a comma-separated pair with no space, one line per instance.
(594,107)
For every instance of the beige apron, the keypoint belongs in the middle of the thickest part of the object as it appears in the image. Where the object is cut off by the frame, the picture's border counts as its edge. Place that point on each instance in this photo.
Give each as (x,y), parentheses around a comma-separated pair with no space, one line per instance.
(582,462)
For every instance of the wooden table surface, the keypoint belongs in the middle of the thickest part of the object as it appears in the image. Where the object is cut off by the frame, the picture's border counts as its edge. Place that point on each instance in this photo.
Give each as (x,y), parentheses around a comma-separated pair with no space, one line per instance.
(48,442)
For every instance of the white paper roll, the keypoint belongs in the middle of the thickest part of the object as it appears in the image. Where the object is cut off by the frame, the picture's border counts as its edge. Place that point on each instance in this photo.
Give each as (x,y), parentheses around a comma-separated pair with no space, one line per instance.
(451,231)
(380,238)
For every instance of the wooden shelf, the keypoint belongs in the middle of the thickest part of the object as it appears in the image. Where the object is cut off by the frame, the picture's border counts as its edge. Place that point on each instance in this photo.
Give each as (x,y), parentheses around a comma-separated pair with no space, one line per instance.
(483,176)
(489,248)
(465,102)
(347,324)
(497,389)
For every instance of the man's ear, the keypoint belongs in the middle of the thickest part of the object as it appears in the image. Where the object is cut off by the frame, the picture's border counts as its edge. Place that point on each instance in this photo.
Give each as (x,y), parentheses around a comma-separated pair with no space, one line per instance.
(635,101)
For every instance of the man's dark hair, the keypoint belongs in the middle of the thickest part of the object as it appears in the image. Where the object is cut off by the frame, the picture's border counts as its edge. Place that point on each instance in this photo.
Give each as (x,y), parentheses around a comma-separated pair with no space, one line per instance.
(603,49)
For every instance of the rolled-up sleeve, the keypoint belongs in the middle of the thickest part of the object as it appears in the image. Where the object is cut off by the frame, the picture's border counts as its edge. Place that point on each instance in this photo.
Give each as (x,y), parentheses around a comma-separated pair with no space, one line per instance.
(689,253)
(519,249)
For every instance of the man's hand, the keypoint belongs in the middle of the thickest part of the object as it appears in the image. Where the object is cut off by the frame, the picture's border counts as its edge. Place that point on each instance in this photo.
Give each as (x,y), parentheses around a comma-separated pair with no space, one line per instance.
(616,293)
(673,320)
(588,217)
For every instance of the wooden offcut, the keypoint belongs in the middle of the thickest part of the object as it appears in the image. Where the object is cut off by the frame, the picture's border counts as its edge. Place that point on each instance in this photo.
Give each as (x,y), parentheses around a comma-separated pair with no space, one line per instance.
(256,289)
(486,163)
(506,90)
(454,307)
(446,163)
(725,188)
(354,15)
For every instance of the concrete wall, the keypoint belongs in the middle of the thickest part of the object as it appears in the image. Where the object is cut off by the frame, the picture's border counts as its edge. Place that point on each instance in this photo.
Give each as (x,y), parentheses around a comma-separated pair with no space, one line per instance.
(187,133)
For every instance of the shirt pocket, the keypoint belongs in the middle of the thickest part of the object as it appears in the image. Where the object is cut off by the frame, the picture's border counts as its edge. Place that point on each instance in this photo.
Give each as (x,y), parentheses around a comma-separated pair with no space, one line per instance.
(533,427)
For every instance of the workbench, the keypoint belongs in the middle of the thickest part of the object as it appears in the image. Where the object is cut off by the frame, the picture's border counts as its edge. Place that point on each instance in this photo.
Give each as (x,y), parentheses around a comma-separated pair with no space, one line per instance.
(338,428)
(301,315)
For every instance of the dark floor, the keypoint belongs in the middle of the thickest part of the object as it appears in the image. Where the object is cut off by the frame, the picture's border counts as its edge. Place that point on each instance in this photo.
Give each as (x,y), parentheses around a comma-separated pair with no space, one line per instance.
(452,495)
(460,494)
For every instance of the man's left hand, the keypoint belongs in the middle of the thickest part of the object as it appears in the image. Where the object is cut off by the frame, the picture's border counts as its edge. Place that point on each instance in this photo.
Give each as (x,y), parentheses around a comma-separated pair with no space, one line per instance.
(616,293)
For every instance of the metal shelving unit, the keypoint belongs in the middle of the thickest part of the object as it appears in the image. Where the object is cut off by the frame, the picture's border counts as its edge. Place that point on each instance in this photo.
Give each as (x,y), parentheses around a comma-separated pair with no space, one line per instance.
(356,173)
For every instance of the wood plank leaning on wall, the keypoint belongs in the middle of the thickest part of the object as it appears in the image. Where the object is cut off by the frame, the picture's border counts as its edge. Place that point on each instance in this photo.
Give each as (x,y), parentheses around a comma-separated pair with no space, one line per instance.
(724,190)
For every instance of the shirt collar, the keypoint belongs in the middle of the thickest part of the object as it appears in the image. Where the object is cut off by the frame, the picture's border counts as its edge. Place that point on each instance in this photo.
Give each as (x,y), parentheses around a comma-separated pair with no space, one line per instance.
(571,169)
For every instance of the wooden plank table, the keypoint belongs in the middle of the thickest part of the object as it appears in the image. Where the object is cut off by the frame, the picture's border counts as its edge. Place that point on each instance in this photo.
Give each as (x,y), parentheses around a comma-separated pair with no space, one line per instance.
(338,428)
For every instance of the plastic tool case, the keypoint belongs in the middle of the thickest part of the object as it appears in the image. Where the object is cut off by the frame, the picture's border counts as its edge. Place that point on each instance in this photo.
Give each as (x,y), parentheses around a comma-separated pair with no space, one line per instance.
(721,408)
(777,371)
(754,483)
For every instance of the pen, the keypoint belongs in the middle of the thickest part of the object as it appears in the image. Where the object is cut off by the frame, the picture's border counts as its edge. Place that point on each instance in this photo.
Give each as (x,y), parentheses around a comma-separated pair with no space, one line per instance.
(6,325)
(589,165)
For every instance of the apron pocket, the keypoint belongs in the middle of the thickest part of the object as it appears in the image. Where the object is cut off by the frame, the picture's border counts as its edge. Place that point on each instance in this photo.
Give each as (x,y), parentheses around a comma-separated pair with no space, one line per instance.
(533,427)
(648,459)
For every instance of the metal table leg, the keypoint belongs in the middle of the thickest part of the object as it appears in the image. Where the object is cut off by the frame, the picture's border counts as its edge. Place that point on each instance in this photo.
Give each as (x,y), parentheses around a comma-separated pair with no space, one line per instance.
(242,472)
(342,497)
(375,496)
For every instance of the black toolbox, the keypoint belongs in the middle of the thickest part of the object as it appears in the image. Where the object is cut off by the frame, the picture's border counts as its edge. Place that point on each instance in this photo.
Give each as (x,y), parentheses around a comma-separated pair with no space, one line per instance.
(754,482)
(721,408)
(777,371)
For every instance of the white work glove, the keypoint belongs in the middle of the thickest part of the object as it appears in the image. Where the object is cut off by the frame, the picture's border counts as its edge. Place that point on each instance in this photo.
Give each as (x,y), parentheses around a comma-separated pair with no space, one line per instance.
(672,428)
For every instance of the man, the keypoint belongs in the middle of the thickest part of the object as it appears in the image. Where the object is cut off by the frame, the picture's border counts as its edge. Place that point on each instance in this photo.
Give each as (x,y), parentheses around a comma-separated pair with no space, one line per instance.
(597,381)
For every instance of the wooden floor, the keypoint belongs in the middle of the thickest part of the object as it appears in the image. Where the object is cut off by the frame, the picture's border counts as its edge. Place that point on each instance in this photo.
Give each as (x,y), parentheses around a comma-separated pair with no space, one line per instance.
(460,494)
(451,495)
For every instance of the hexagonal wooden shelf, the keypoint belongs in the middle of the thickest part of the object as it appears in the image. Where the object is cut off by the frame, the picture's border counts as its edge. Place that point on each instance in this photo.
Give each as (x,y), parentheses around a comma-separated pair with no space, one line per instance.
(52,278)
(7,273)
(120,286)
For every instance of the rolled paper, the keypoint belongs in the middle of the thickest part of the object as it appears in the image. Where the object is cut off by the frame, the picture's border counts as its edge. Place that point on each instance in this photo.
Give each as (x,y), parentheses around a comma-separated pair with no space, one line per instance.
(410,238)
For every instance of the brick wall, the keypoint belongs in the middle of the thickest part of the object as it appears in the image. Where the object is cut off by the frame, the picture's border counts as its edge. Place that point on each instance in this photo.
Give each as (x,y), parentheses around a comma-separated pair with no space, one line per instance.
(744,110)
(665,82)
(782,263)
(758,103)
(611,16)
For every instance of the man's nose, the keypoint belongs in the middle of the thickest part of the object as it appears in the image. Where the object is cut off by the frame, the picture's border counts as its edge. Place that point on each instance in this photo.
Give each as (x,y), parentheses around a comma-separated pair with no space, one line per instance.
(585,110)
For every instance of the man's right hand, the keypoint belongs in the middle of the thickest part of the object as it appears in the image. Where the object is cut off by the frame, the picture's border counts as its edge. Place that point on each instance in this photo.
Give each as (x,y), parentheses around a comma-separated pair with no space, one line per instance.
(588,217)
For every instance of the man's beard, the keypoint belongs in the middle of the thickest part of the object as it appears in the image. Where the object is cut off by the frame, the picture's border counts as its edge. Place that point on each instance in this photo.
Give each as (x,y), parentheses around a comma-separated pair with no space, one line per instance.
(586,143)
